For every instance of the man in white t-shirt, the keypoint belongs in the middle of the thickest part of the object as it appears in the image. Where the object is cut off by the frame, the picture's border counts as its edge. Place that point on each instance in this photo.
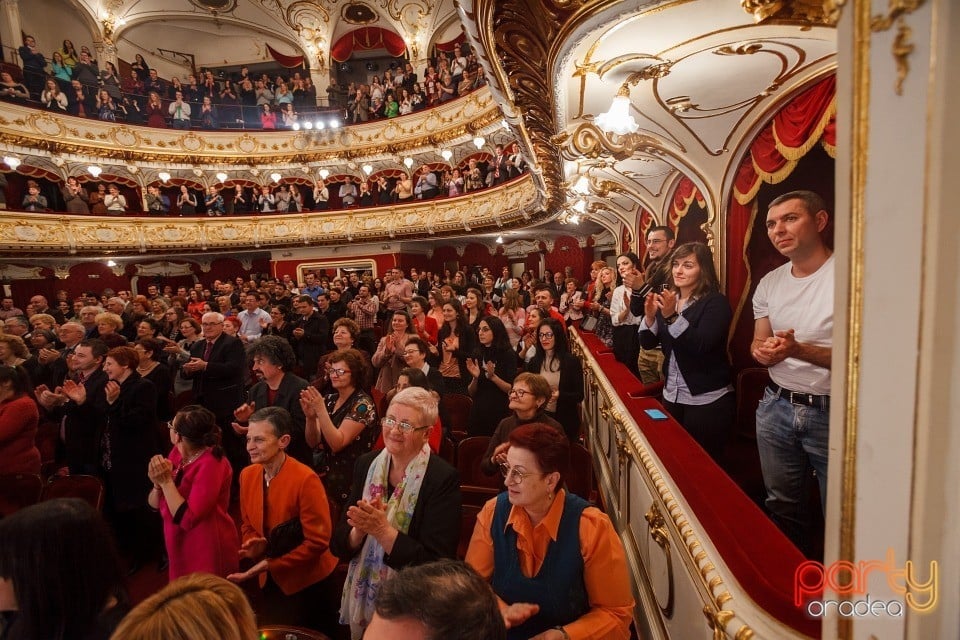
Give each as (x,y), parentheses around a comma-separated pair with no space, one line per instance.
(793,311)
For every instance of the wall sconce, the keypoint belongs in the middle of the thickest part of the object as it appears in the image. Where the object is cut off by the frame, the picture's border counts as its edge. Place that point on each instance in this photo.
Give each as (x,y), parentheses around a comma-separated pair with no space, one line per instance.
(499,239)
(323,174)
(222,177)
(94,170)
(446,154)
(479,141)
(12,161)
(618,119)
(163,175)
(408,162)
(275,177)
(367,169)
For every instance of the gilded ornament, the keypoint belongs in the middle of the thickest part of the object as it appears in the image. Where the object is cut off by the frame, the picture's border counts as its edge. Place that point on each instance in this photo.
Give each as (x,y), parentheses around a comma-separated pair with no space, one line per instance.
(816,12)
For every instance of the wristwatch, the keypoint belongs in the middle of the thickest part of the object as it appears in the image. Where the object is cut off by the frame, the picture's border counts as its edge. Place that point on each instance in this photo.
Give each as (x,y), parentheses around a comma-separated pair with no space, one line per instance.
(671,319)
(566,636)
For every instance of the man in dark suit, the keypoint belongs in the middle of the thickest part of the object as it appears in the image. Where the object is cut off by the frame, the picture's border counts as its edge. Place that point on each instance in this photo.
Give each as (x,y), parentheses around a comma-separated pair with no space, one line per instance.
(309,335)
(273,361)
(81,406)
(217,367)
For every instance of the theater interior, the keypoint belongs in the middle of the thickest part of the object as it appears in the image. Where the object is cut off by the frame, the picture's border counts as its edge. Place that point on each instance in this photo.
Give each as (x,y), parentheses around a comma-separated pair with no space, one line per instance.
(693,114)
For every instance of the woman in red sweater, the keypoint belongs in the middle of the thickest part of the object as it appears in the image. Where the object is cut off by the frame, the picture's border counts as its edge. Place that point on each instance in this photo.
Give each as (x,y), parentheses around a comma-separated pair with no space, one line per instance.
(18,422)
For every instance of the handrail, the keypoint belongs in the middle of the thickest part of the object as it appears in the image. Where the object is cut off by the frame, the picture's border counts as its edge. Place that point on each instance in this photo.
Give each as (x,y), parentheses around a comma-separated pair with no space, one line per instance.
(680,515)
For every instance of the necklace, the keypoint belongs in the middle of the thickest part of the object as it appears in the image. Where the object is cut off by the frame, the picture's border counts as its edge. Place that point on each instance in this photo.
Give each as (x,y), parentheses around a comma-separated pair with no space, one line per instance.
(188,461)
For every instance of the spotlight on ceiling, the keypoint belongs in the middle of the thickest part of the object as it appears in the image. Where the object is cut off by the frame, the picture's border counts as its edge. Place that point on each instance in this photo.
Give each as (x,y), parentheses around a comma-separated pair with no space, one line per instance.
(308,125)
(94,170)
(334,123)
(296,126)
(12,161)
(163,175)
(321,125)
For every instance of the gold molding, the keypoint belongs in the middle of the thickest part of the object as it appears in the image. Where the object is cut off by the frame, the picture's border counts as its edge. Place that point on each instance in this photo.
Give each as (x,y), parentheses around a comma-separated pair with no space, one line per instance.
(818,12)
(902,46)
(54,134)
(44,233)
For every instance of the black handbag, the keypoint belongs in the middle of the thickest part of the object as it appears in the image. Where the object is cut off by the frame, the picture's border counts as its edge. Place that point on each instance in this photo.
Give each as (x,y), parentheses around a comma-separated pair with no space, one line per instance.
(284,538)
(589,323)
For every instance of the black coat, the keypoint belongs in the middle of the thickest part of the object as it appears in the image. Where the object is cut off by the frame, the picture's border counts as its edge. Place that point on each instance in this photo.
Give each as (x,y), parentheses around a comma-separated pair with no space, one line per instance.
(132,440)
(288,397)
(84,424)
(701,350)
(219,387)
(313,344)
(571,392)
(434,530)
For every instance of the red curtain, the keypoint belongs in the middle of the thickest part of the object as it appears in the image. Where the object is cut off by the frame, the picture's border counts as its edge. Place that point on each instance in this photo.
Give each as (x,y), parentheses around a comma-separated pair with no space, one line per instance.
(683,197)
(806,120)
(449,45)
(367,38)
(288,62)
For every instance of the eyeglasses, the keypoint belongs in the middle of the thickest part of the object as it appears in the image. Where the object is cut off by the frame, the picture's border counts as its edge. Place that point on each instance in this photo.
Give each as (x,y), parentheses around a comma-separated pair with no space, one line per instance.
(405,427)
(411,352)
(209,324)
(518,392)
(656,241)
(336,373)
(513,475)
(171,426)
(547,335)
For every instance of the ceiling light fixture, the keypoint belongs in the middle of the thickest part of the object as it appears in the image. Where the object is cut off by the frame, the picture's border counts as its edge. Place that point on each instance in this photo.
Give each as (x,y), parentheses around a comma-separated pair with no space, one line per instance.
(308,125)
(618,119)
(296,126)
(12,161)
(321,125)
(163,175)
(94,170)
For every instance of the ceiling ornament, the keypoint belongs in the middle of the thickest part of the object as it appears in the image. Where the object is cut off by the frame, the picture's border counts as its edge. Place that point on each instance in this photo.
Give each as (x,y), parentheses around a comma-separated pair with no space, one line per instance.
(817,12)
(216,7)
(902,45)
(588,141)
(358,13)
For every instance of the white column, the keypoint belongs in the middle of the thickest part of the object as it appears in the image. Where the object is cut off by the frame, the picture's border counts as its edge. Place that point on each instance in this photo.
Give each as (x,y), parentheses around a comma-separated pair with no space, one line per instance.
(11,27)
(895,419)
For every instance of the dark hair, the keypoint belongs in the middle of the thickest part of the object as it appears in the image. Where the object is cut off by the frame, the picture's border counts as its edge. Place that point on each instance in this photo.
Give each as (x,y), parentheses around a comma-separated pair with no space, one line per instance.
(631,256)
(278,417)
(98,348)
(708,274)
(305,298)
(124,356)
(543,287)
(419,343)
(812,202)
(461,317)
(275,350)
(666,230)
(560,344)
(548,445)
(406,316)
(153,324)
(60,557)
(193,322)
(18,377)
(416,377)
(356,362)
(152,345)
(501,340)
(198,426)
(48,335)
(423,302)
(448,597)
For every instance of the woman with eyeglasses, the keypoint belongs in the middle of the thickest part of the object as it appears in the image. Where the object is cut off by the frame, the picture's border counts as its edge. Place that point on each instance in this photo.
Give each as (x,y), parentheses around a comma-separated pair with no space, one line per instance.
(404,507)
(492,373)
(343,426)
(191,489)
(563,372)
(555,561)
(528,397)
(690,320)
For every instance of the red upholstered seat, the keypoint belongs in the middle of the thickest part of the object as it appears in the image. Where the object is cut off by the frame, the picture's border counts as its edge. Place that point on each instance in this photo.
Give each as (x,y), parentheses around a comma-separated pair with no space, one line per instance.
(88,488)
(475,486)
(456,407)
(18,490)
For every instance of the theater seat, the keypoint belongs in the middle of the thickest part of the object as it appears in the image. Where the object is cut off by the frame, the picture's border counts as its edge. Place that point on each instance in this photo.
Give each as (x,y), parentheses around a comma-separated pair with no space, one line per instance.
(580,478)
(456,407)
(18,490)
(87,488)
(475,486)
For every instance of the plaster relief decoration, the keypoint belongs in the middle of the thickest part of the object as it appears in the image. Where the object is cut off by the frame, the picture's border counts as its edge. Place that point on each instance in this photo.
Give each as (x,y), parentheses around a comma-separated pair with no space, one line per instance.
(902,45)
(165,268)
(13,272)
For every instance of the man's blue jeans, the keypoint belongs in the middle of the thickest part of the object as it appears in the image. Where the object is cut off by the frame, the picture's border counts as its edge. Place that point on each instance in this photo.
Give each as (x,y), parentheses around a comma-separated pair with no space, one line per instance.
(792,439)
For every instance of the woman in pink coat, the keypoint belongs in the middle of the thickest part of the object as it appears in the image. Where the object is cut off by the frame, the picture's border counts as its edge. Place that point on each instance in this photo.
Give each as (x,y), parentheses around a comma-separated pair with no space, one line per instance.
(191,488)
